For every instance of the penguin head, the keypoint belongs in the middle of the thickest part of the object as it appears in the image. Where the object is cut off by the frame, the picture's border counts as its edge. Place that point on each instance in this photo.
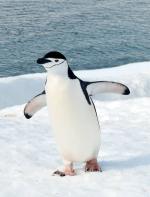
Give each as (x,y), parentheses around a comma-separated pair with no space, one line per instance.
(52,59)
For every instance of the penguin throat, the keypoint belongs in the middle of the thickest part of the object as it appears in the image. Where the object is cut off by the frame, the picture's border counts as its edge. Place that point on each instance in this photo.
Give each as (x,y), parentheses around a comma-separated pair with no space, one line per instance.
(59,70)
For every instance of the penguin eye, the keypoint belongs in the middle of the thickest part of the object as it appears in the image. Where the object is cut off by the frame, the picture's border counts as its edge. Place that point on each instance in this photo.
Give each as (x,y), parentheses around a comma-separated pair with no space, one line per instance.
(56,60)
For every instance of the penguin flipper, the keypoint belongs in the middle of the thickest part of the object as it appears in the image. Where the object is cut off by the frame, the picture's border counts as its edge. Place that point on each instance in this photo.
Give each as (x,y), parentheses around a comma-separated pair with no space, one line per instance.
(106,87)
(35,105)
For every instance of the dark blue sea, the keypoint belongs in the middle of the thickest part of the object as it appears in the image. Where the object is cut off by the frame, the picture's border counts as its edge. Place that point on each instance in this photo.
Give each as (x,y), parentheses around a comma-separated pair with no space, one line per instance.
(90,33)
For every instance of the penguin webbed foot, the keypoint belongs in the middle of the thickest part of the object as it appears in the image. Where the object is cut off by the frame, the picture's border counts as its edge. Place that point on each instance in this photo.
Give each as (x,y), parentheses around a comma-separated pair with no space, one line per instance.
(65,173)
(68,170)
(92,166)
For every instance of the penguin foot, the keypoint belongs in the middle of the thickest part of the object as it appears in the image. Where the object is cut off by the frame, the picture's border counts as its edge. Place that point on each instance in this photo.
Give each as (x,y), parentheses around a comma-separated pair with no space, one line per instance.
(92,166)
(69,172)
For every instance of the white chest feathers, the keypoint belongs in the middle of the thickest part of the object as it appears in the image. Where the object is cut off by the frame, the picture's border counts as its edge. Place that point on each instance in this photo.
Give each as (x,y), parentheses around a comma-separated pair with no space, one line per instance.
(73,120)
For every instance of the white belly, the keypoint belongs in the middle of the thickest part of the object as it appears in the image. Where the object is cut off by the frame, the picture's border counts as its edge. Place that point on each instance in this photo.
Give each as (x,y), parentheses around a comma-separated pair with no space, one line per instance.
(73,120)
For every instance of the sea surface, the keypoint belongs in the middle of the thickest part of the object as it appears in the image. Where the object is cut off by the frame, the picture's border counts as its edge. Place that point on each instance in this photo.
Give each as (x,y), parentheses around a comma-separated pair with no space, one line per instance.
(90,33)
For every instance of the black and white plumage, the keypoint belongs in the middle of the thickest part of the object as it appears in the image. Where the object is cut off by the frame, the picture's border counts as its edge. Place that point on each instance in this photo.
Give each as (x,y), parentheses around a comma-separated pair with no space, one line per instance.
(72,111)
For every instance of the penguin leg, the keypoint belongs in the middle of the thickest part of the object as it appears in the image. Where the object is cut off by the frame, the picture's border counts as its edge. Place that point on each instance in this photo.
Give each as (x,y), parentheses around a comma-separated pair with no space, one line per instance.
(68,169)
(92,166)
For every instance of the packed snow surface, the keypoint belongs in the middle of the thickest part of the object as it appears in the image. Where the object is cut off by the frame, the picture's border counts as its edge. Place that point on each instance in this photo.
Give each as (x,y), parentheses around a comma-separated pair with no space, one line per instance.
(29,155)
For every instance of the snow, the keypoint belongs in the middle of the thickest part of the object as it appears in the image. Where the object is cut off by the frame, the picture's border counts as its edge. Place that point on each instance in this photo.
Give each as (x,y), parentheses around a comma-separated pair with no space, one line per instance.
(28,153)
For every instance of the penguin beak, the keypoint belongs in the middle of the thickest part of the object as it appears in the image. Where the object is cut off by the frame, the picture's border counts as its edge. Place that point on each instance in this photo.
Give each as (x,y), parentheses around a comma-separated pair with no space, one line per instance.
(42,61)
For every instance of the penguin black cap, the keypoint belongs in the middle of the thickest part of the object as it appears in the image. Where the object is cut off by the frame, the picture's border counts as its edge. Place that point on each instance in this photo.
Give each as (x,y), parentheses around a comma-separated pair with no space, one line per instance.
(55,54)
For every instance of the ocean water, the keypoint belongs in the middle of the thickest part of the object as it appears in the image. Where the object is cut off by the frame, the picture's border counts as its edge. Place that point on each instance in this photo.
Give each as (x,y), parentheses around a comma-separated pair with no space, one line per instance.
(91,34)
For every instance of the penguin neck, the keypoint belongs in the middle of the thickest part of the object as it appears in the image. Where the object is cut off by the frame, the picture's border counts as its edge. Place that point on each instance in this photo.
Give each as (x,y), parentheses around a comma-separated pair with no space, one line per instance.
(61,71)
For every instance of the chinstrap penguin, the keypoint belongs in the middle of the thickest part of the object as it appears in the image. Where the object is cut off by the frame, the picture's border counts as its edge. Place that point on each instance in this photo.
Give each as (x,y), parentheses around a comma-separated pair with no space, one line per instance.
(72,112)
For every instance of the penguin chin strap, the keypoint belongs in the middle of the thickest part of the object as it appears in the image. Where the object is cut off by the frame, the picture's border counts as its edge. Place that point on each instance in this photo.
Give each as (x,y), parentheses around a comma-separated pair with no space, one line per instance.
(55,65)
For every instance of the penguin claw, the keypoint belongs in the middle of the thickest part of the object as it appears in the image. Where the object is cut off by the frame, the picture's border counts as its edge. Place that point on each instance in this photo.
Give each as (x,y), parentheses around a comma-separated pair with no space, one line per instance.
(93,170)
(59,173)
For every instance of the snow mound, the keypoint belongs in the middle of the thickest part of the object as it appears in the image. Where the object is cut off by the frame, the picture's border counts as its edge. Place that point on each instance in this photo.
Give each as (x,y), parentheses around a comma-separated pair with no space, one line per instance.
(18,90)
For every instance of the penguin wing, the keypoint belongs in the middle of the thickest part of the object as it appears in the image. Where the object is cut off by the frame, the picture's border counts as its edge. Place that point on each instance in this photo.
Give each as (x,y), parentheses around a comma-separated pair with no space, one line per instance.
(35,105)
(106,86)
